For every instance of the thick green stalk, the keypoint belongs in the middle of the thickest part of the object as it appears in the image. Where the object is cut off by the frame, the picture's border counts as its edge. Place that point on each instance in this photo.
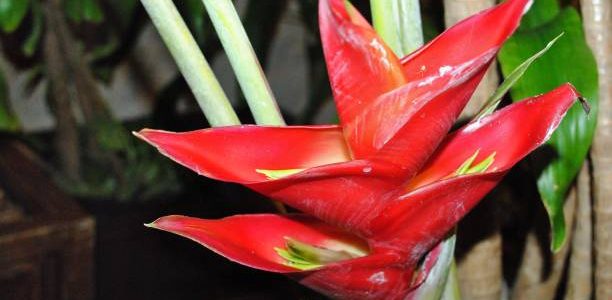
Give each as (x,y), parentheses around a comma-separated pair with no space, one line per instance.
(242,57)
(398,22)
(191,62)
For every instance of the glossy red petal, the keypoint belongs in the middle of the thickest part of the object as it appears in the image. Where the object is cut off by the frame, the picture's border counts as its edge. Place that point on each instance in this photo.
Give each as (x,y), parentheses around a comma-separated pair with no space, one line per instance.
(410,135)
(346,195)
(250,239)
(360,65)
(416,221)
(481,33)
(510,133)
(392,281)
(400,119)
(442,77)
(422,216)
(235,153)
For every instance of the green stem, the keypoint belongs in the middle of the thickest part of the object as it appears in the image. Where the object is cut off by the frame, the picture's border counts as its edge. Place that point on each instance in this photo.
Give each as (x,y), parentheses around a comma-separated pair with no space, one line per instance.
(242,57)
(451,287)
(191,62)
(398,22)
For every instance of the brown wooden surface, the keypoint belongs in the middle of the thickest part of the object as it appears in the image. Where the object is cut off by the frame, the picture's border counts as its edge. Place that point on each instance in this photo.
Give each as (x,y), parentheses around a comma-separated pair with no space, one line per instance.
(46,252)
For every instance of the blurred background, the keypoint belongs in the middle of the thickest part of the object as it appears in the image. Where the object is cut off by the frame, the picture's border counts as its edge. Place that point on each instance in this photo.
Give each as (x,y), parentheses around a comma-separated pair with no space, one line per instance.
(77,76)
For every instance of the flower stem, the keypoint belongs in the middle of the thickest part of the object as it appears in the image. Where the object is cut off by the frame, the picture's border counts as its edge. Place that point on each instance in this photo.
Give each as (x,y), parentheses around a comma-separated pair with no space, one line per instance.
(242,57)
(451,287)
(191,62)
(398,22)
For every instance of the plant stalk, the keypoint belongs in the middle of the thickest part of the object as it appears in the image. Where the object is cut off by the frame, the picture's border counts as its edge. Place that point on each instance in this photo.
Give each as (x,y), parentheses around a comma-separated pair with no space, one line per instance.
(242,57)
(597,21)
(580,273)
(191,62)
(398,22)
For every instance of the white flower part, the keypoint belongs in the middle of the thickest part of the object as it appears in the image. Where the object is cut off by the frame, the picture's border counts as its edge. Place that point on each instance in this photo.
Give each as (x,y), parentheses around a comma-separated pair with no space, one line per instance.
(378,278)
(381,50)
(444,70)
(527,7)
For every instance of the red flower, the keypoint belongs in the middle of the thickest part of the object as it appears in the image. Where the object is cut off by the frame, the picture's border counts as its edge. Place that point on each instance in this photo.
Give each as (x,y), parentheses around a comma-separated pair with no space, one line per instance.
(384,187)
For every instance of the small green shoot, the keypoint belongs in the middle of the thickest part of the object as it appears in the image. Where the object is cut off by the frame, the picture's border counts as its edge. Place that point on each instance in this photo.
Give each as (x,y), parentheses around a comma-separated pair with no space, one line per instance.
(467,167)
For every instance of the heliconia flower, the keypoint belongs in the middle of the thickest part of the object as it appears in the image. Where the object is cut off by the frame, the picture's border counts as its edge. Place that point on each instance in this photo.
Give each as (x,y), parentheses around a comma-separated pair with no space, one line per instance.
(381,264)
(399,111)
(382,189)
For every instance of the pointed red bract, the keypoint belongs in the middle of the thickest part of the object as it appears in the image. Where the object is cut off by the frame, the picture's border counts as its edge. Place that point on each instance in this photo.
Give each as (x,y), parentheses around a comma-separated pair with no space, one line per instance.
(524,125)
(433,203)
(361,67)
(235,153)
(250,239)
(391,116)
(467,40)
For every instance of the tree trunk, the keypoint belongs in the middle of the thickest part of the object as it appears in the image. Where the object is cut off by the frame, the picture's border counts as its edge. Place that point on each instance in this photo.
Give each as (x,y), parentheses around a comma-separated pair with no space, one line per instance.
(66,138)
(476,281)
(580,278)
(597,23)
(540,272)
(88,96)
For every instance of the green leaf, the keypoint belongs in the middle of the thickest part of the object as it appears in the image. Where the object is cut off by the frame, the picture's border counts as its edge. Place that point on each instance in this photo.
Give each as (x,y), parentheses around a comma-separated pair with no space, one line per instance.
(511,79)
(12,13)
(540,13)
(569,61)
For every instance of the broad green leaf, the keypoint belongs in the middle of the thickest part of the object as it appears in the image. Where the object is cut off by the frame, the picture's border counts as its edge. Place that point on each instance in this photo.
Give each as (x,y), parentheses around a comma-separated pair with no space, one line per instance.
(511,79)
(540,13)
(12,13)
(569,61)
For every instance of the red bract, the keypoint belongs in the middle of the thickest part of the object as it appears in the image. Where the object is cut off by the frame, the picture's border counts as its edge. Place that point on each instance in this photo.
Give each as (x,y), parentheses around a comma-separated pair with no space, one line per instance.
(383,188)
